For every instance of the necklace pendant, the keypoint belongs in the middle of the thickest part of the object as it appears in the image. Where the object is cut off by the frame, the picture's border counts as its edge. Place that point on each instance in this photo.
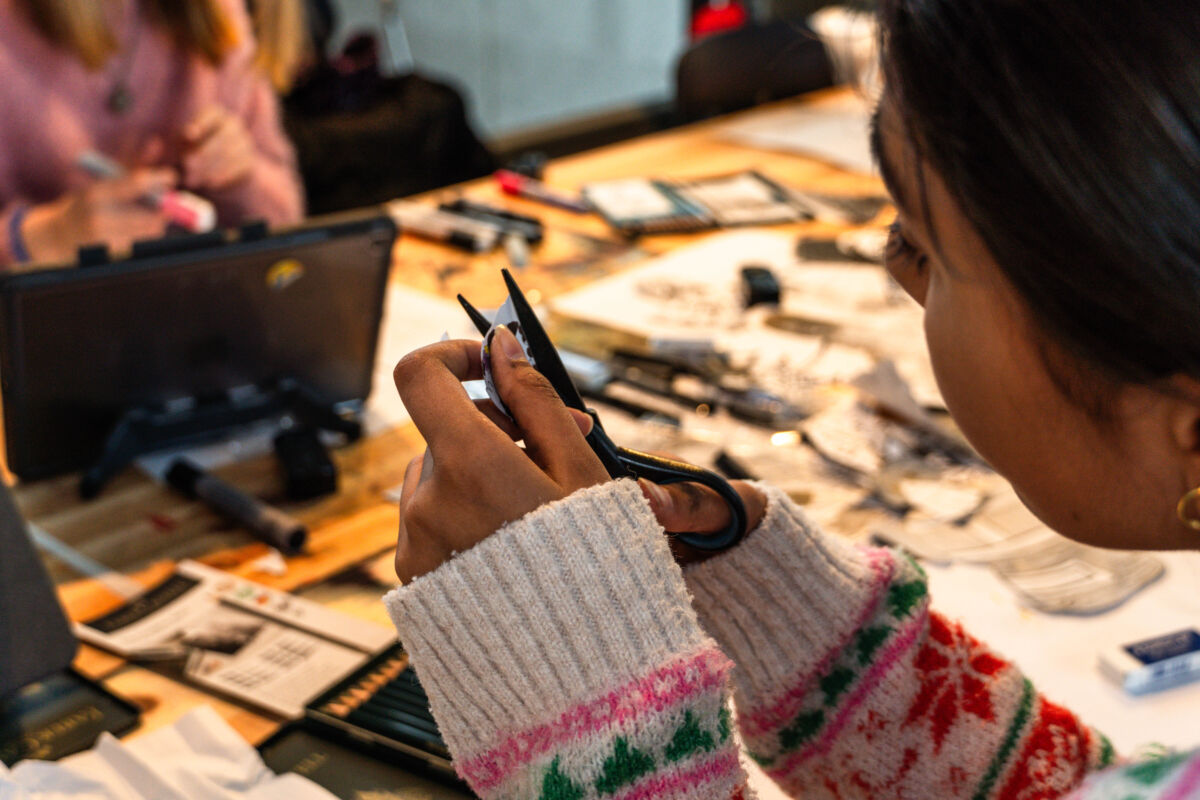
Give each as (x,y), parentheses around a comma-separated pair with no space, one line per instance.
(119,99)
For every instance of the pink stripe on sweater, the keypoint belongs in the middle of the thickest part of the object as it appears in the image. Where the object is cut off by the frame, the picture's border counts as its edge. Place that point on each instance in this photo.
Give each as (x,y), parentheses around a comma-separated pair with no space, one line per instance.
(1188,784)
(678,783)
(891,655)
(773,716)
(658,692)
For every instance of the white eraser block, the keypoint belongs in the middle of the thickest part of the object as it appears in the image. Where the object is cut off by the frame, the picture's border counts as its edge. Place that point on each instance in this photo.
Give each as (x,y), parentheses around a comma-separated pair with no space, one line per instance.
(1153,664)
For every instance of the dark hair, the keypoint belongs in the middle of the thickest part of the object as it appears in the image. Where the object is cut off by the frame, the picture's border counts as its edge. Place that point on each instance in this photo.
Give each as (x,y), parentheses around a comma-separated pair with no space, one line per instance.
(1069,134)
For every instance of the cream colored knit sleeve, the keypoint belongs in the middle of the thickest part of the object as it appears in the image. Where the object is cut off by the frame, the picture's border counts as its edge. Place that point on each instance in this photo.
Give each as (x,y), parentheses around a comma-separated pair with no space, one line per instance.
(563,660)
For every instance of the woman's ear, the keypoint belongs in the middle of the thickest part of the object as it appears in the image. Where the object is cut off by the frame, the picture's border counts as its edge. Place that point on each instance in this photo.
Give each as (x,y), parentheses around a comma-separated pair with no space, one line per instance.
(1184,398)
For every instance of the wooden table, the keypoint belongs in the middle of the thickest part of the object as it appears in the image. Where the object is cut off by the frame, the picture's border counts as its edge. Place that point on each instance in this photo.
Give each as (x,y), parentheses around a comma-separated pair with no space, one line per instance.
(140,528)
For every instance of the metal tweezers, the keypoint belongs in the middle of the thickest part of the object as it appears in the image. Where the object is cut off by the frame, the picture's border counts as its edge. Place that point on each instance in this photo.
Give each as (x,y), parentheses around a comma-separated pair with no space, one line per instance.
(621,462)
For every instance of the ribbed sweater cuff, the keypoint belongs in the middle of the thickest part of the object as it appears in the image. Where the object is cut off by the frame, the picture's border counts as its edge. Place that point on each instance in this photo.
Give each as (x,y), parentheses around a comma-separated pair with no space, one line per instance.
(778,603)
(563,605)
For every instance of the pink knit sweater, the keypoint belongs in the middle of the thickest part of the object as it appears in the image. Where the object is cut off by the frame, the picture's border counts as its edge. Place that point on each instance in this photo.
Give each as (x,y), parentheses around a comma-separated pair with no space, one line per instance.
(52,108)
(567,657)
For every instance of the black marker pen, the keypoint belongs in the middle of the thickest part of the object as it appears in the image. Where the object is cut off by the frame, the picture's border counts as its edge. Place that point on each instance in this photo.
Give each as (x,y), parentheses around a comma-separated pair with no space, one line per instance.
(266,522)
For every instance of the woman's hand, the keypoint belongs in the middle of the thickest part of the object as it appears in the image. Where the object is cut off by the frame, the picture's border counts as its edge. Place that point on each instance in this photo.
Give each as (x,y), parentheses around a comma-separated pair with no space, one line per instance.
(473,478)
(218,150)
(111,211)
(694,508)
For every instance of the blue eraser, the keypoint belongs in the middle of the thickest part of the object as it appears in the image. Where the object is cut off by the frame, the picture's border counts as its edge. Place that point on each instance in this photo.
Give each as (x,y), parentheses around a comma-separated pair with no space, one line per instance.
(1154,664)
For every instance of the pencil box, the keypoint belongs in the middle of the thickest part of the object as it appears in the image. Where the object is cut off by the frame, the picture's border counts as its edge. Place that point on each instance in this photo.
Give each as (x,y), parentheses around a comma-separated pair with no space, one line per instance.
(356,770)
(380,709)
(636,206)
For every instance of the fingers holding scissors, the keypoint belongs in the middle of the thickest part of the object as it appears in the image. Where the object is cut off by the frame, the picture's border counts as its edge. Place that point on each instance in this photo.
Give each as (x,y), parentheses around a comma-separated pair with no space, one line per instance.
(693,508)
(474,478)
(553,434)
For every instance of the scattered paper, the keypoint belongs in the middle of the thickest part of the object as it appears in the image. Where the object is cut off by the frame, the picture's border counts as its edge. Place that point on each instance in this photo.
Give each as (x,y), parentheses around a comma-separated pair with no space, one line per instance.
(198,758)
(849,436)
(837,131)
(273,563)
(1047,571)
(940,499)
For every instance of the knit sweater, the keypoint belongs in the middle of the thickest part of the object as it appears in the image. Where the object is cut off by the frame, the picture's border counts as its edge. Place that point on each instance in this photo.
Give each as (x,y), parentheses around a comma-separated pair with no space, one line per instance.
(568,657)
(54,108)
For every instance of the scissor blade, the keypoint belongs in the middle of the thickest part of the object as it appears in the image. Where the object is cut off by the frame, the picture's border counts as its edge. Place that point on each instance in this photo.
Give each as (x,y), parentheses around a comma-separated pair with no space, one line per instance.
(481,323)
(541,348)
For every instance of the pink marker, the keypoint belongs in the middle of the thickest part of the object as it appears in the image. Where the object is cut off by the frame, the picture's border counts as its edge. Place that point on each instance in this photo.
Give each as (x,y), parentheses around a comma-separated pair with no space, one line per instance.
(189,211)
(515,183)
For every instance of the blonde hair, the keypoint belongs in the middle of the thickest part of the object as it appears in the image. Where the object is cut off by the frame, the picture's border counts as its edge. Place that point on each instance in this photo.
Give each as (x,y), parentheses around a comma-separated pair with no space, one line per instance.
(198,26)
(281,27)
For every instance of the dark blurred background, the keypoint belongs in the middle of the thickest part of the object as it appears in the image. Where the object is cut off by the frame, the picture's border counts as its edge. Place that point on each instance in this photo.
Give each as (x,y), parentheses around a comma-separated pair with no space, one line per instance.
(403,96)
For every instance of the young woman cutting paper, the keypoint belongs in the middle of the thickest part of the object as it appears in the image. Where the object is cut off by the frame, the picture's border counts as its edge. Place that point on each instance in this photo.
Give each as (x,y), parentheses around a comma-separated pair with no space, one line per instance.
(1045,161)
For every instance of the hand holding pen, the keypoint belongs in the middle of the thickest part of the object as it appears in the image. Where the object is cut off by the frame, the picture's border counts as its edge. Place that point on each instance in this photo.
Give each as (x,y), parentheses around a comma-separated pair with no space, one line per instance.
(109,210)
(183,209)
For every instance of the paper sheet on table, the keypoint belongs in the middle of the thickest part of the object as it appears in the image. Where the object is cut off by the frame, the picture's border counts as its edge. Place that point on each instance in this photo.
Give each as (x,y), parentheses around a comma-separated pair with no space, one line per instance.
(694,293)
(198,758)
(836,131)
(411,319)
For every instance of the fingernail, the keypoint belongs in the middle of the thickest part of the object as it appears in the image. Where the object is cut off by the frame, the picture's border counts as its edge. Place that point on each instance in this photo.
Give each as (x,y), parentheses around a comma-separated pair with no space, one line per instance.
(587,424)
(659,497)
(509,344)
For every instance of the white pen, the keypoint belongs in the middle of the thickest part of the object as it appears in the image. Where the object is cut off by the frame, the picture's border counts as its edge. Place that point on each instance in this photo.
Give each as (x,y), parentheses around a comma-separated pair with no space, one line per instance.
(468,234)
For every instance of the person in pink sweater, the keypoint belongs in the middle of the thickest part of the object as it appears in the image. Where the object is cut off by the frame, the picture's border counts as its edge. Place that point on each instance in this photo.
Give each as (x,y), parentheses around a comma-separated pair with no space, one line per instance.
(1044,158)
(171,91)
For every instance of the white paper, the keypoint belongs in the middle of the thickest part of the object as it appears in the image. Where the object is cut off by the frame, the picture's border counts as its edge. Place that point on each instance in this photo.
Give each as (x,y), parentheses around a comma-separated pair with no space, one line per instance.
(837,131)
(411,320)
(198,758)
(506,315)
(847,435)
(941,499)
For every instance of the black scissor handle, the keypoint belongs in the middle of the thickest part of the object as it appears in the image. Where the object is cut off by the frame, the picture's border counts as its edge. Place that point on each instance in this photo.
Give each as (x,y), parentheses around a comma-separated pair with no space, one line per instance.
(665,471)
(621,462)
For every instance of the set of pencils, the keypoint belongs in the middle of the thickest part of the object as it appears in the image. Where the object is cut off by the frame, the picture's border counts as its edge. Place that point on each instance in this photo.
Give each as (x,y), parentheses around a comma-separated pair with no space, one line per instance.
(385,699)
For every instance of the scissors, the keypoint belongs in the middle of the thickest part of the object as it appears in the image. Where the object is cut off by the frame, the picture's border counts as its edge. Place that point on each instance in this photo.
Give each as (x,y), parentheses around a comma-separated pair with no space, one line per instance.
(621,462)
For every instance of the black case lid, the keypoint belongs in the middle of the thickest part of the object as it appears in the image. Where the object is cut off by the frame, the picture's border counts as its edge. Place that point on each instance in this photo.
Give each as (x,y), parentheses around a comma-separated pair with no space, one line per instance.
(35,637)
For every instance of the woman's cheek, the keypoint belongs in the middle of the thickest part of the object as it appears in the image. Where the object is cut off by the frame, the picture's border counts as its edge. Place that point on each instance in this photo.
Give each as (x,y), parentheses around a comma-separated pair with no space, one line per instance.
(966,375)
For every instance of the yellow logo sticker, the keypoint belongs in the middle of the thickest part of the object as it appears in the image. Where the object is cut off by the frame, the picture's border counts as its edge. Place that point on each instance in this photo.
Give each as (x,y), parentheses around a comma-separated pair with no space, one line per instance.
(283,274)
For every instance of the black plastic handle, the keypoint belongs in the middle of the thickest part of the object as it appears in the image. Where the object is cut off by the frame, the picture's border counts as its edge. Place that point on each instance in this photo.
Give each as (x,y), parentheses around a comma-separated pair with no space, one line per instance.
(621,462)
(665,471)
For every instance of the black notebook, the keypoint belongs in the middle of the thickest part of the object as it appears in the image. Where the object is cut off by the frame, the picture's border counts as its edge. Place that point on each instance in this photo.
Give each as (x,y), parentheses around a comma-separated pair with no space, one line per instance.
(47,710)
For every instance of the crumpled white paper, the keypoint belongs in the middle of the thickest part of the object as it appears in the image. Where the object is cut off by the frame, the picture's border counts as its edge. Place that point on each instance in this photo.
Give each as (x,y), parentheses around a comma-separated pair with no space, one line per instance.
(198,758)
